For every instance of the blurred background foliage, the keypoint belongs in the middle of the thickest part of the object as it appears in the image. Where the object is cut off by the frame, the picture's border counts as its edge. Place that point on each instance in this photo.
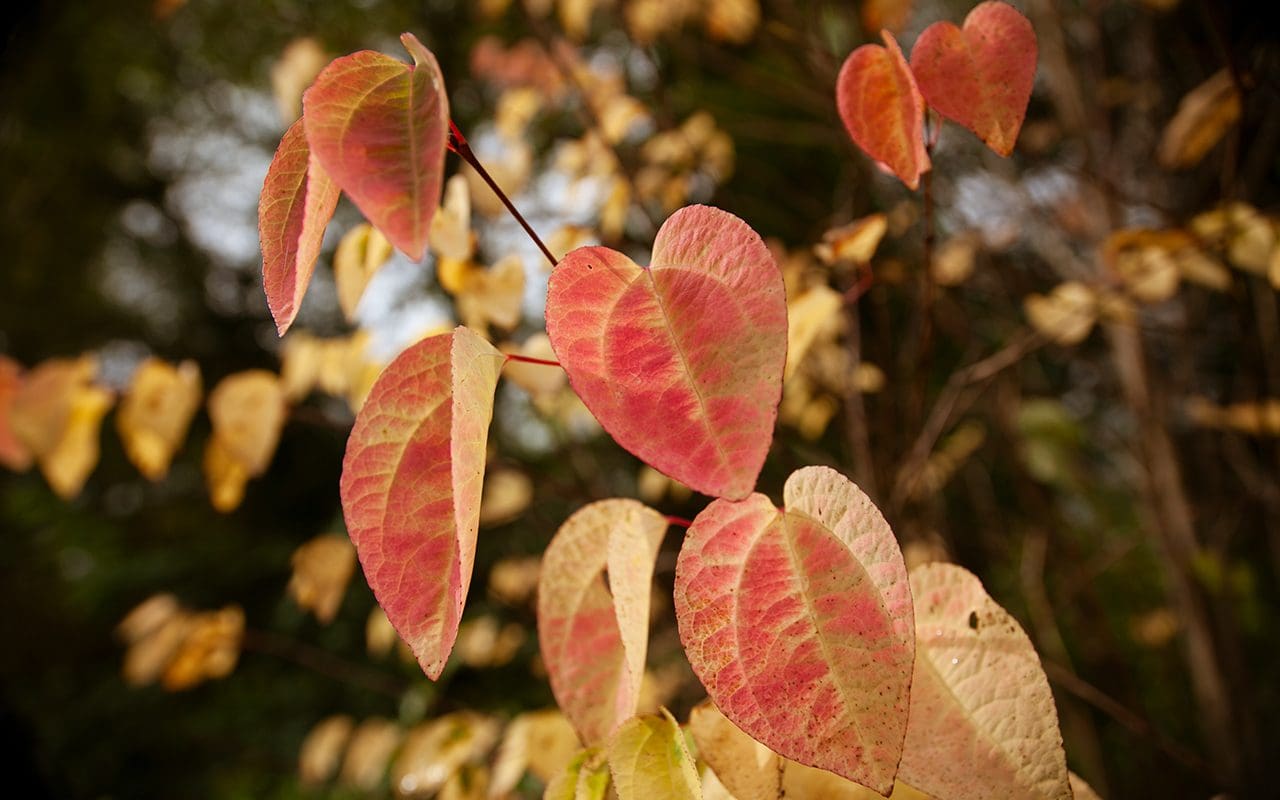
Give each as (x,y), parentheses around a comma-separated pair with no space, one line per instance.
(1106,491)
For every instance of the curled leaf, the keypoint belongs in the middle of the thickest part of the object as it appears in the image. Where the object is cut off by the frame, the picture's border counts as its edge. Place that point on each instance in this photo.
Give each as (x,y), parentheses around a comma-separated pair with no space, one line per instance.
(594,635)
(883,110)
(980,75)
(1204,116)
(411,485)
(681,361)
(379,127)
(298,200)
(799,624)
(983,722)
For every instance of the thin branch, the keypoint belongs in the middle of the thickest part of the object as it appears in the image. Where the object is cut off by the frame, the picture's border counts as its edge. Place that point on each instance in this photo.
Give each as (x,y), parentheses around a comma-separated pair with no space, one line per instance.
(322,662)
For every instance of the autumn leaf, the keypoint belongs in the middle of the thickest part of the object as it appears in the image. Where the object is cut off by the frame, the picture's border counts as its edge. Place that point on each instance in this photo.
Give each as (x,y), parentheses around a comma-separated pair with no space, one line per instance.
(433,751)
(298,200)
(14,455)
(594,634)
(799,624)
(681,361)
(649,760)
(155,413)
(1204,116)
(247,410)
(299,64)
(67,466)
(322,568)
(321,751)
(41,405)
(980,75)
(379,127)
(585,778)
(883,110)
(540,742)
(368,752)
(983,722)
(360,254)
(411,485)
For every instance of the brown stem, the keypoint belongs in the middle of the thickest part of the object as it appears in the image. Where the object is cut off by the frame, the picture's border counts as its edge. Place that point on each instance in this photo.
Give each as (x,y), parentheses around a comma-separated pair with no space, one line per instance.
(458,144)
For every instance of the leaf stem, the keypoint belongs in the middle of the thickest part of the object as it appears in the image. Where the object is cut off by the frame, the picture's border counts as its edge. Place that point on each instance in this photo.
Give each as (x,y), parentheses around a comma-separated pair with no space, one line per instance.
(458,144)
(532,360)
(680,521)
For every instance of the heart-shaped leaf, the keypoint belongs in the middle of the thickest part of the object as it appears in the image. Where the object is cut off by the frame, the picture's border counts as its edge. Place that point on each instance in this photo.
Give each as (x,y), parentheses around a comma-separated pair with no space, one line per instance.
(298,199)
(983,722)
(883,110)
(411,484)
(980,75)
(649,760)
(799,624)
(380,127)
(594,635)
(681,361)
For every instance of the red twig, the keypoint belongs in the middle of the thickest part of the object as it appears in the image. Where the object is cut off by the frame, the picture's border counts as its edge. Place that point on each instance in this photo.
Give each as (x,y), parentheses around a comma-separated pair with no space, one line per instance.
(532,360)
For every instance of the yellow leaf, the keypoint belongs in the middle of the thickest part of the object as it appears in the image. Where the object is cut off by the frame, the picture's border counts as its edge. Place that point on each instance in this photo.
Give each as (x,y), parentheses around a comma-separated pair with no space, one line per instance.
(732,21)
(483,644)
(539,380)
(293,72)
(41,406)
(67,466)
(321,570)
(360,254)
(511,173)
(209,650)
(247,410)
(514,580)
(493,296)
(585,778)
(809,316)
(869,379)
(649,760)
(541,742)
(471,782)
(575,17)
(321,751)
(371,746)
(507,493)
(224,476)
(855,242)
(1066,315)
(516,108)
(156,412)
(299,364)
(147,617)
(1248,236)
(953,262)
(451,236)
(1204,116)
(148,657)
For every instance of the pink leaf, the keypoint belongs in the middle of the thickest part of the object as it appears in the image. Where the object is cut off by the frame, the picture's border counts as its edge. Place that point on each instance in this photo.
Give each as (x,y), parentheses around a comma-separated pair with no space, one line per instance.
(799,624)
(380,127)
(411,484)
(882,108)
(682,361)
(594,635)
(980,76)
(983,722)
(297,202)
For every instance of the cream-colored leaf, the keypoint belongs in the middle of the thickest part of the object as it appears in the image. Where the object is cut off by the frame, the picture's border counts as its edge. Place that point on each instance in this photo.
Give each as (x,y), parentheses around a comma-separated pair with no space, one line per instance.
(67,466)
(470,782)
(322,568)
(649,760)
(147,617)
(514,580)
(433,751)
(451,236)
(155,413)
(146,659)
(321,751)
(360,254)
(493,296)
(516,108)
(953,262)
(298,65)
(507,493)
(41,406)
(224,476)
(483,643)
(983,722)
(539,380)
(372,744)
(855,242)
(540,742)
(1065,315)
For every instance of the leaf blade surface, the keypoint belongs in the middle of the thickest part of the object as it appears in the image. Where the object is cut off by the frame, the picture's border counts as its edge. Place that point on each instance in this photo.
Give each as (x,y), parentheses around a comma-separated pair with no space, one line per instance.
(883,110)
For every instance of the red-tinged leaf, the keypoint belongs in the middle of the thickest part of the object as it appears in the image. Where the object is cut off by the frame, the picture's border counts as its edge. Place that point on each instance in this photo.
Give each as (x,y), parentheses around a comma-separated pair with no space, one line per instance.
(297,202)
(14,455)
(681,361)
(983,722)
(980,75)
(594,635)
(883,110)
(411,483)
(380,127)
(799,624)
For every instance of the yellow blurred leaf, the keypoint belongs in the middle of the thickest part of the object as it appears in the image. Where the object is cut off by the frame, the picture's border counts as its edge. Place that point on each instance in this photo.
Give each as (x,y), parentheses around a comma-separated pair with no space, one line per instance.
(67,466)
(868,379)
(322,568)
(953,262)
(586,777)
(435,750)
(210,649)
(539,380)
(1155,628)
(321,750)
(1204,116)
(483,644)
(298,65)
(855,242)
(516,108)
(379,634)
(148,656)
(507,493)
(511,173)
(653,486)
(1065,315)
(613,215)
(224,476)
(621,114)
(812,314)
(493,296)
(147,617)
(541,742)
(247,410)
(1261,418)
(300,359)
(451,236)
(372,743)
(41,405)
(471,782)
(1247,236)
(732,21)
(514,580)
(649,19)
(155,413)
(360,254)
(575,17)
